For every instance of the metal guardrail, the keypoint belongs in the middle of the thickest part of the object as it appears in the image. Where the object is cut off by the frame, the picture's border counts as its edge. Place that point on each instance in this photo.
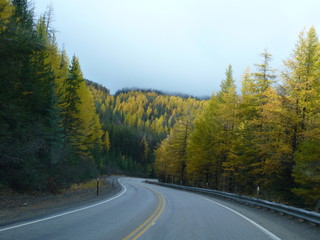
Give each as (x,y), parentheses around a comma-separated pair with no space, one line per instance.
(291,211)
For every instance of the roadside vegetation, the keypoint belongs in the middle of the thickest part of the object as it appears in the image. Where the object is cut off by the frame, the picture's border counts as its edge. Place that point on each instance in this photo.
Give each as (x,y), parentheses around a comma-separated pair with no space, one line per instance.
(266,137)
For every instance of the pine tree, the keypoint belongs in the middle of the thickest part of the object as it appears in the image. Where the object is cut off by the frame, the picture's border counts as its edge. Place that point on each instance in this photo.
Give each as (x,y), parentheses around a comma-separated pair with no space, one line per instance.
(48,58)
(89,133)
(246,146)
(28,99)
(146,149)
(301,82)
(107,141)
(162,161)
(253,103)
(228,119)
(203,166)
(265,75)
(274,145)
(70,103)
(178,148)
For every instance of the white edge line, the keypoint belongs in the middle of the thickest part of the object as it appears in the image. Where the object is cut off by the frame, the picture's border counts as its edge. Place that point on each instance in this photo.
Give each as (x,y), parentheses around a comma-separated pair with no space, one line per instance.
(271,235)
(66,213)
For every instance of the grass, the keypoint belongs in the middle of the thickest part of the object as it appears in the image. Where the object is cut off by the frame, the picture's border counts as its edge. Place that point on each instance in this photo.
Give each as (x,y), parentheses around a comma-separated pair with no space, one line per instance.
(88,184)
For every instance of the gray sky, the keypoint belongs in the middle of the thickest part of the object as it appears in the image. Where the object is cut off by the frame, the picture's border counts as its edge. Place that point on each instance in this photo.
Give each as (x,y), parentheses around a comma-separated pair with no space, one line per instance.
(177,45)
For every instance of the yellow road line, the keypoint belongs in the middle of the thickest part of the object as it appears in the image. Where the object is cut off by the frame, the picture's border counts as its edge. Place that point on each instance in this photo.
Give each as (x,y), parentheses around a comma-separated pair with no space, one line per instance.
(147,224)
(144,223)
(150,223)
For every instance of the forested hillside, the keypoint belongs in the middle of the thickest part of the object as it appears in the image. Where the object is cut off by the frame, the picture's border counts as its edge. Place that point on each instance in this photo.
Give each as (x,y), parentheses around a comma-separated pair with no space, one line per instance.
(266,137)
(135,122)
(56,127)
(50,132)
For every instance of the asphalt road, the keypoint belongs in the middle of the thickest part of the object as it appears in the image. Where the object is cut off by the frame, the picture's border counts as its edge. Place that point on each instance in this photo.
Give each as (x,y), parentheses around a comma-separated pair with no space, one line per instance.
(143,211)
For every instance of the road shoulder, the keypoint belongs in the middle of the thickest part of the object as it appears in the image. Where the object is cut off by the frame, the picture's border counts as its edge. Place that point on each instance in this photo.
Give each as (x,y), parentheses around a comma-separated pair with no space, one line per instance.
(26,208)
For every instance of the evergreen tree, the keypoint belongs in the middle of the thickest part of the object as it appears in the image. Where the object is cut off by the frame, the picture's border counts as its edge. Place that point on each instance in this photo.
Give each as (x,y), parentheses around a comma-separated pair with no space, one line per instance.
(29,113)
(107,141)
(228,119)
(203,166)
(265,75)
(70,103)
(253,123)
(301,82)
(162,161)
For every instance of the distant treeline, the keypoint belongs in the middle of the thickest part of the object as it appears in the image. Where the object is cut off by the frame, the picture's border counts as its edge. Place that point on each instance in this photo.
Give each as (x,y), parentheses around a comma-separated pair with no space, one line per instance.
(266,137)
(136,121)
(158,92)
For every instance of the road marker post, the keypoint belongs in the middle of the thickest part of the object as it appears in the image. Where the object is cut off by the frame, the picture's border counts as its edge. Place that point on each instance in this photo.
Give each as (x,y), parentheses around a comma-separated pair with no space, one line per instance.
(317,207)
(98,186)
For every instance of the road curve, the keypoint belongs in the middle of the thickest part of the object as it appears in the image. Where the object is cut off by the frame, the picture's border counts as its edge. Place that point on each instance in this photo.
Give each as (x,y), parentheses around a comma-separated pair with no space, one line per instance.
(143,211)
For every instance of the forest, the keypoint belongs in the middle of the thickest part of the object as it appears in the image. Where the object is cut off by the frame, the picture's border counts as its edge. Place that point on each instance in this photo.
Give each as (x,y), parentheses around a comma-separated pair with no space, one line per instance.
(59,128)
(266,136)
(135,122)
(50,132)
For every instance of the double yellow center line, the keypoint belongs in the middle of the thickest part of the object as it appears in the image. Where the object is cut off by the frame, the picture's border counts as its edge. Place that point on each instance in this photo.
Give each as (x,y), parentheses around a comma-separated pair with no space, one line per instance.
(148,223)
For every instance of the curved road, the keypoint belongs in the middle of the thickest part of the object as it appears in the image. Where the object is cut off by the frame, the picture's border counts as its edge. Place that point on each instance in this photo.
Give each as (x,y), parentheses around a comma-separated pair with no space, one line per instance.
(147,212)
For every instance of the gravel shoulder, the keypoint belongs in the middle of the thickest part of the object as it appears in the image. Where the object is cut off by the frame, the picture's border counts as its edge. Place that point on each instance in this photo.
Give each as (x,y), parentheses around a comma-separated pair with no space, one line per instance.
(27,207)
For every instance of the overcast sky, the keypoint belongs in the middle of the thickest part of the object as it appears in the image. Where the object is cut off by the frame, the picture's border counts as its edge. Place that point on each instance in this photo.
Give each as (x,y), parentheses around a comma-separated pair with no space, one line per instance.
(177,45)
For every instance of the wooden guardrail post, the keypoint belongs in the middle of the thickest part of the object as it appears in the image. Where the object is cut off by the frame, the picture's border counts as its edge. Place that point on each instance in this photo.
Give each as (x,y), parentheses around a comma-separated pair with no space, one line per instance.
(98,186)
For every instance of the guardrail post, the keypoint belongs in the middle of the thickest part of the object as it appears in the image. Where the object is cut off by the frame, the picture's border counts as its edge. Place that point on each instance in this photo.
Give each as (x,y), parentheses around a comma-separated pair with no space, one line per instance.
(98,186)
(317,207)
